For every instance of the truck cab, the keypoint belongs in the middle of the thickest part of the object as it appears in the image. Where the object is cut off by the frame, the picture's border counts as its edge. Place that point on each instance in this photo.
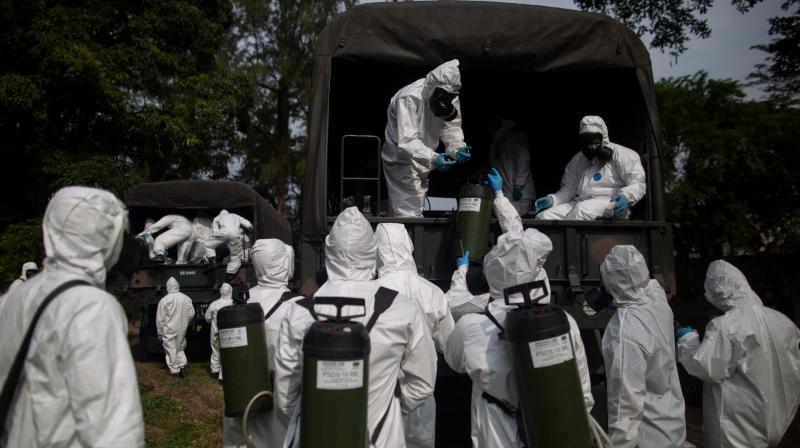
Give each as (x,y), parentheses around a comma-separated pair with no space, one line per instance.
(201,282)
(550,67)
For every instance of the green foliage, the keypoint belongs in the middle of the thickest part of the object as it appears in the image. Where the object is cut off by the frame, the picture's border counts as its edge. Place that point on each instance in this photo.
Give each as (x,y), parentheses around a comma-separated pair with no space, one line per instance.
(731,167)
(275,47)
(780,73)
(671,24)
(111,93)
(20,243)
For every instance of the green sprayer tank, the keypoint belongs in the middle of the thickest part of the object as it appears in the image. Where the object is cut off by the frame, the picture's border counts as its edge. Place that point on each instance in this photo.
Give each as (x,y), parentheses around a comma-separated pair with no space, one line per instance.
(243,358)
(474,217)
(335,380)
(550,392)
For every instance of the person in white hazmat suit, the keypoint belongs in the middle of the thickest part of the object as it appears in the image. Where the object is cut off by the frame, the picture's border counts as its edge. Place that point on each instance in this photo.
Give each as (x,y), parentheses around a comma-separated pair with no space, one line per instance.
(418,116)
(29,269)
(511,155)
(225,299)
(179,229)
(194,249)
(460,298)
(273,262)
(475,348)
(749,362)
(398,271)
(173,316)
(78,385)
(402,351)
(602,181)
(229,228)
(645,402)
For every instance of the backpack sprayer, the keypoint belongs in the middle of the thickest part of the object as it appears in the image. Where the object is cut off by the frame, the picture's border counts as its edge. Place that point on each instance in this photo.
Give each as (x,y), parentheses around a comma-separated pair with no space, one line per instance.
(550,393)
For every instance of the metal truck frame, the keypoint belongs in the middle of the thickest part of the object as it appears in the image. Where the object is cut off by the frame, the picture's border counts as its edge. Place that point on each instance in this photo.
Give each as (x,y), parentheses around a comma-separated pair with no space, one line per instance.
(547,67)
(201,282)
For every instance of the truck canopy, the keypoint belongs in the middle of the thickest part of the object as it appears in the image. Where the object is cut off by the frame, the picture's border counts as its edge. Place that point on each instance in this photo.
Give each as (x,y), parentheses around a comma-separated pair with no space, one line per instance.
(211,196)
(547,67)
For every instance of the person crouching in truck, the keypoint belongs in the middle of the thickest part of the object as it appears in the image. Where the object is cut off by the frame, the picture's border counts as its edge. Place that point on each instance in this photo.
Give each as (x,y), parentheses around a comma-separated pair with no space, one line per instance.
(603,181)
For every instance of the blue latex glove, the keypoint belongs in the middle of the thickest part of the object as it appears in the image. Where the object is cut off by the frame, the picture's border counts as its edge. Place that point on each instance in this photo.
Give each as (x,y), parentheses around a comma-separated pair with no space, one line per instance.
(463,260)
(463,155)
(620,203)
(442,163)
(542,203)
(683,331)
(494,180)
(143,235)
(517,193)
(160,338)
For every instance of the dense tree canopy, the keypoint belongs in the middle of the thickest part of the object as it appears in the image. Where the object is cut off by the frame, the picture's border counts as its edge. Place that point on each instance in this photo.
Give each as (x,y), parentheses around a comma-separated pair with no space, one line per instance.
(732,168)
(111,93)
(779,75)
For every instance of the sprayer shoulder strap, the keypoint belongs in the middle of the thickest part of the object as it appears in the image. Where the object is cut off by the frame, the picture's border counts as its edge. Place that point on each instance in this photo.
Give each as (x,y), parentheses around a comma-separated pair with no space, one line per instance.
(12,380)
(374,438)
(383,300)
(494,321)
(308,303)
(285,297)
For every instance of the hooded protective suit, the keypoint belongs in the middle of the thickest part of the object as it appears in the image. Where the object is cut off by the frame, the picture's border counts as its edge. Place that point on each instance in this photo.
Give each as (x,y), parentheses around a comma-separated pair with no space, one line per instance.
(228,228)
(645,403)
(179,229)
(511,156)
(459,299)
(194,249)
(273,262)
(397,271)
(173,316)
(474,346)
(412,136)
(402,350)
(588,185)
(749,362)
(27,266)
(225,299)
(78,385)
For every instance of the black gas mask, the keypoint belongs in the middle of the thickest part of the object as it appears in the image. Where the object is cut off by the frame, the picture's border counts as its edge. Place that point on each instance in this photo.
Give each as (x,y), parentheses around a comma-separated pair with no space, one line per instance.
(133,251)
(598,299)
(441,103)
(592,147)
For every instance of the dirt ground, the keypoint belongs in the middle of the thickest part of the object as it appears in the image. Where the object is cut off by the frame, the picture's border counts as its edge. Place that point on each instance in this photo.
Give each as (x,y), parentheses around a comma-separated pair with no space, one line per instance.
(188,412)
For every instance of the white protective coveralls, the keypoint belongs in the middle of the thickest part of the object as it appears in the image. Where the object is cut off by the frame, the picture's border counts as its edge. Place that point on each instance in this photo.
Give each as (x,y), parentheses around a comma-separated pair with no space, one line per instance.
(511,156)
(225,299)
(402,350)
(474,346)
(398,271)
(173,316)
(645,402)
(78,386)
(588,186)
(228,228)
(459,299)
(179,229)
(194,249)
(273,262)
(27,266)
(749,362)
(412,136)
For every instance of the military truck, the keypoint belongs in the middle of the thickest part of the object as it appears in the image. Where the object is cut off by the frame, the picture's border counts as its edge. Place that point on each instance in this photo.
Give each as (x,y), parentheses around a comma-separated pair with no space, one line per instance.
(548,67)
(147,285)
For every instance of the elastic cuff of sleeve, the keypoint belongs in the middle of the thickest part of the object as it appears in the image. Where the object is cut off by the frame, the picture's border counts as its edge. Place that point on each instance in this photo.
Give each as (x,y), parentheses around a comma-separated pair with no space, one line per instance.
(499,194)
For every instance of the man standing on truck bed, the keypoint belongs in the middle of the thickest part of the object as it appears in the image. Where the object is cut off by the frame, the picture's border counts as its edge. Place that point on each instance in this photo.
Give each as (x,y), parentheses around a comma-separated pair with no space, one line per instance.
(418,116)
(229,228)
(602,181)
